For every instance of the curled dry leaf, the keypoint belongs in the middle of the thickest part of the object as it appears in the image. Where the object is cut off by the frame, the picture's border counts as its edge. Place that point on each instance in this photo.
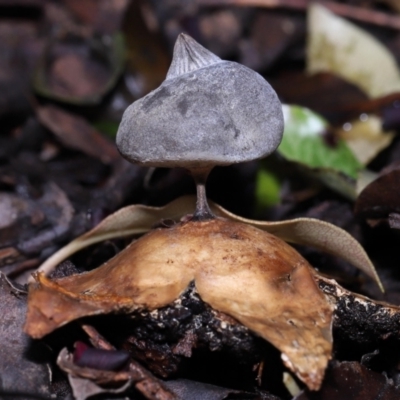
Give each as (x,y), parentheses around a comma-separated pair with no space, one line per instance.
(127,221)
(76,133)
(338,46)
(379,199)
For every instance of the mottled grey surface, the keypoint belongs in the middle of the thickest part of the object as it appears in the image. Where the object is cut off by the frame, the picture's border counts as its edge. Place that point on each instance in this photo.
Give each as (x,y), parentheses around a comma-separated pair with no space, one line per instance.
(20,369)
(217,114)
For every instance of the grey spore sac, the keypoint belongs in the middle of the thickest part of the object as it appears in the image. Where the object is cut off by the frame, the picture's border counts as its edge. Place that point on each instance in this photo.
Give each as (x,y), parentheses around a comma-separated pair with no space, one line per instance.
(207,112)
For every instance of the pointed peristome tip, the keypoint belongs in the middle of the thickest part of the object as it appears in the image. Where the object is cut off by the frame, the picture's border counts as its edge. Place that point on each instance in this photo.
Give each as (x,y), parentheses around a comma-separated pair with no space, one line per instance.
(207,112)
(189,56)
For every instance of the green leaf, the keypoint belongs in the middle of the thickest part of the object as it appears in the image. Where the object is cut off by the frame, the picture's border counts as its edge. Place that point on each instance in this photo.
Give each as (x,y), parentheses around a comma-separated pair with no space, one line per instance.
(107,127)
(340,47)
(267,188)
(303,142)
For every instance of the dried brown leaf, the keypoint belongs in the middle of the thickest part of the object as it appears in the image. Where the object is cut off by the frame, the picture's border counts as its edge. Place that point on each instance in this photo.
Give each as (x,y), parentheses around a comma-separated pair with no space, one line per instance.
(338,46)
(380,198)
(76,133)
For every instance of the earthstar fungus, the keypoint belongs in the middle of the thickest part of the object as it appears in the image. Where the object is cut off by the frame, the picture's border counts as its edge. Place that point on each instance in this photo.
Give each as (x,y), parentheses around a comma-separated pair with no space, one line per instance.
(207,112)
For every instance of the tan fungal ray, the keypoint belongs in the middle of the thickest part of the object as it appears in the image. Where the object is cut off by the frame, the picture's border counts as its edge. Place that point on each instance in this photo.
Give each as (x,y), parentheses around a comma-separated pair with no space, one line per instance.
(242,271)
(316,233)
(267,286)
(139,219)
(140,276)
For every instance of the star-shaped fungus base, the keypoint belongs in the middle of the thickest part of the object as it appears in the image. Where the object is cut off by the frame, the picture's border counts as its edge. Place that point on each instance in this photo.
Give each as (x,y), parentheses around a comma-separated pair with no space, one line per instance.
(237,269)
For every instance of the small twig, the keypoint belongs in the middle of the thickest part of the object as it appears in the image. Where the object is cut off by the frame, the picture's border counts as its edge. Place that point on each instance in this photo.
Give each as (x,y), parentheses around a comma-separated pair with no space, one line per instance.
(96,339)
(260,370)
(144,381)
(356,13)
